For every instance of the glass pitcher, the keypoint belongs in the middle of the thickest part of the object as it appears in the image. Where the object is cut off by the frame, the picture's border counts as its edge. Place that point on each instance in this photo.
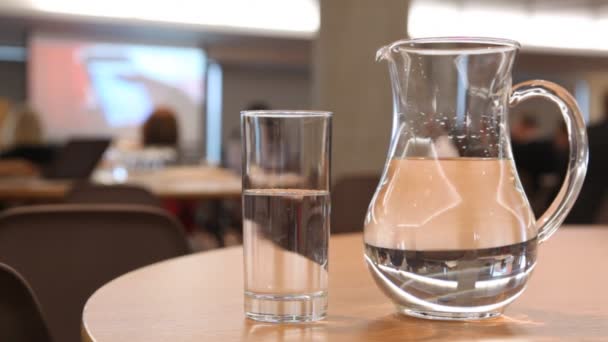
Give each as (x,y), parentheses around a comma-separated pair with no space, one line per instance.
(449,233)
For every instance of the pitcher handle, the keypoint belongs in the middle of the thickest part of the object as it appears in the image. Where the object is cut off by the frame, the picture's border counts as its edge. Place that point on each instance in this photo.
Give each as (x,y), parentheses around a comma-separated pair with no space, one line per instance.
(555,215)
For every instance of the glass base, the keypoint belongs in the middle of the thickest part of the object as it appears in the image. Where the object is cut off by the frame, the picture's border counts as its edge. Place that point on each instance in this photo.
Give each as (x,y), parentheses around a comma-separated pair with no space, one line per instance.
(448,316)
(286,308)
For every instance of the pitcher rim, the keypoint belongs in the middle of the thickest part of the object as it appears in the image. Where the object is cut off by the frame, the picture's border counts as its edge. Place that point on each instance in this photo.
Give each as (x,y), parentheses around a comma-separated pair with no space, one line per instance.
(479,45)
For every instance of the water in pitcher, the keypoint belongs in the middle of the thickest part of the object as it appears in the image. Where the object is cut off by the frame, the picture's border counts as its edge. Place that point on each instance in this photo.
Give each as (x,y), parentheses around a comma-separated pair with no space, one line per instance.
(286,234)
(450,236)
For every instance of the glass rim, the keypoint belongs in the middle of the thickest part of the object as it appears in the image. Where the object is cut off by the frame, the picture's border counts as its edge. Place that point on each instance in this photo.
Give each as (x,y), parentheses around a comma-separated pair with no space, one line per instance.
(455,45)
(287,113)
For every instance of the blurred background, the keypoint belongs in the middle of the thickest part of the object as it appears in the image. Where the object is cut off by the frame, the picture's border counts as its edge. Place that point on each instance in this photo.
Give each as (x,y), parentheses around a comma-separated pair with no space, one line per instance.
(120,136)
(138,92)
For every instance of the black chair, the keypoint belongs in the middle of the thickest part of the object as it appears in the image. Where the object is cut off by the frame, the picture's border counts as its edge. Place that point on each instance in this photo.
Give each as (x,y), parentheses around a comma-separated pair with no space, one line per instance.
(20,317)
(68,251)
(350,197)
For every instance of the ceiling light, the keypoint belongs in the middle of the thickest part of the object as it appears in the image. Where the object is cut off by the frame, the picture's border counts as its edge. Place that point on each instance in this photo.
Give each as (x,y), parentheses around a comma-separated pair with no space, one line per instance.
(571,29)
(294,18)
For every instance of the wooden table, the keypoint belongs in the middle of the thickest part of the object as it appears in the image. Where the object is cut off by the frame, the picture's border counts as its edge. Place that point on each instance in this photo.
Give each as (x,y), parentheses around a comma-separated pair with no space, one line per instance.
(199,298)
(33,189)
(200,182)
(190,182)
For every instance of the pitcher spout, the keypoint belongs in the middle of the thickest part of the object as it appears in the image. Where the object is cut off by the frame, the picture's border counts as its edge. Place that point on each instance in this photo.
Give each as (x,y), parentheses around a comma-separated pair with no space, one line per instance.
(382,53)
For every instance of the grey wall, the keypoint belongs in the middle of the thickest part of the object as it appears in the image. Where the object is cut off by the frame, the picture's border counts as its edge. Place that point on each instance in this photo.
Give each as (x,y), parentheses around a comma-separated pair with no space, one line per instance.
(348,82)
(281,88)
(13,81)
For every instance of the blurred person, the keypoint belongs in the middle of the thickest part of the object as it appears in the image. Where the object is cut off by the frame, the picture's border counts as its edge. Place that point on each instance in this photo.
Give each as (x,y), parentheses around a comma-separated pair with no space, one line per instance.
(551,182)
(160,133)
(232,158)
(160,129)
(592,198)
(535,158)
(228,225)
(258,105)
(561,149)
(21,136)
(525,129)
(160,140)
(21,126)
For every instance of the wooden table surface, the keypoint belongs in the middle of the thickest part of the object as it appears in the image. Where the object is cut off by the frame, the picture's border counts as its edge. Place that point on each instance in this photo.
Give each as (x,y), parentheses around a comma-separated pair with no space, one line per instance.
(180,182)
(200,298)
(190,182)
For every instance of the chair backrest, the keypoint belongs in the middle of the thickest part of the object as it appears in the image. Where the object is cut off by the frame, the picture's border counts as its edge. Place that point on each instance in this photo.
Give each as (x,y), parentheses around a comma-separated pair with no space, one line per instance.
(68,251)
(85,192)
(602,213)
(350,197)
(20,317)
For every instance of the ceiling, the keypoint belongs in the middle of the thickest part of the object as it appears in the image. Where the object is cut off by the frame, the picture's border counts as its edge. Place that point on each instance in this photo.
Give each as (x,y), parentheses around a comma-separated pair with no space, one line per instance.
(298,19)
(228,47)
(19,18)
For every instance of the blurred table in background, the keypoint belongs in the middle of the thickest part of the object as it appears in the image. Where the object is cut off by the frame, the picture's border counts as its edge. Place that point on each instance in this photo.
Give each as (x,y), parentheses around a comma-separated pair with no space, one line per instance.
(177,182)
(189,182)
(32,189)
(200,298)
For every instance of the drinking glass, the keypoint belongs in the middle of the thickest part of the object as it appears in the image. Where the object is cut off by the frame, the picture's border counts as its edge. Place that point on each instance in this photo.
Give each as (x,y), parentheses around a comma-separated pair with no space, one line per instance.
(286,206)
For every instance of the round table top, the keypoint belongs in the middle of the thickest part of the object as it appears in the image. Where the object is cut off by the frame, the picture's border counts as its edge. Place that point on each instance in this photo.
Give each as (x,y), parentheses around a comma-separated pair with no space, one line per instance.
(200,298)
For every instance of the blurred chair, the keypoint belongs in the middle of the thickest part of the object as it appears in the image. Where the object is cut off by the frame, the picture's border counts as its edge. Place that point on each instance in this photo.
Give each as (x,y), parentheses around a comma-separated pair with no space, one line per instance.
(20,317)
(602,216)
(68,251)
(350,197)
(88,193)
